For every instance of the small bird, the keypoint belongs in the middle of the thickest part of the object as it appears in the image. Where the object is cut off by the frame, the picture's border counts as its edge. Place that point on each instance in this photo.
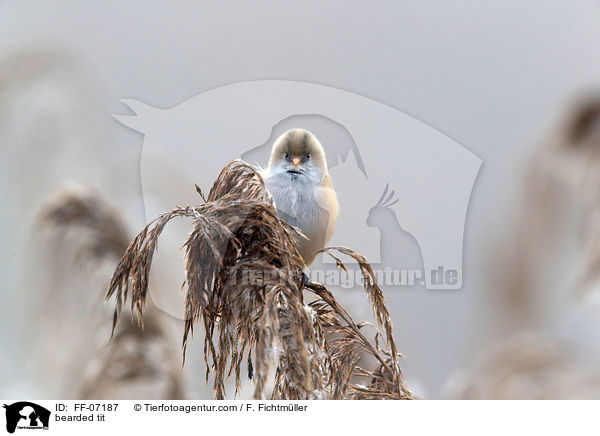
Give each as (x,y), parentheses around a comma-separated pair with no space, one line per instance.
(298,179)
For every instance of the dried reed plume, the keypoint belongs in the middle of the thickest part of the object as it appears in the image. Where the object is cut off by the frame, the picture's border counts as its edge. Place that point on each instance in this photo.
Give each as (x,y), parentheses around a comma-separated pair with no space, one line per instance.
(99,226)
(529,366)
(559,204)
(244,282)
(137,365)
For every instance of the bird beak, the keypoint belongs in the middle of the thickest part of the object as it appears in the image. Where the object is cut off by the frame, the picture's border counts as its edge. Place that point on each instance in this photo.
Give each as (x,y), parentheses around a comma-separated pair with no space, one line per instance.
(296,161)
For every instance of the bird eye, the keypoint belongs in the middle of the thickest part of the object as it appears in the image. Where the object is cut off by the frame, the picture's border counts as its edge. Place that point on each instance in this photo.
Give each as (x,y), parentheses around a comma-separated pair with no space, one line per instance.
(287,156)
(308,155)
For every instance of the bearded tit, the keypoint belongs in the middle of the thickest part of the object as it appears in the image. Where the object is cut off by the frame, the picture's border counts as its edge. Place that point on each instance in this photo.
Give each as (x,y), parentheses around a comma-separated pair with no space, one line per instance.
(300,184)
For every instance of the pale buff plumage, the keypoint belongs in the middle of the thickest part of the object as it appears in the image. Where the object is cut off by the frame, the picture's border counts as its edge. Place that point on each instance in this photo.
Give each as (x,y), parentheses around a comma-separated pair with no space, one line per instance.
(300,184)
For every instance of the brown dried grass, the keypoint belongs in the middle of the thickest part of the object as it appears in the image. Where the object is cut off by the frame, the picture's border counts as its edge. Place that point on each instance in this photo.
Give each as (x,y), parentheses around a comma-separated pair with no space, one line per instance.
(78,208)
(244,283)
(555,233)
(137,365)
(557,213)
(528,366)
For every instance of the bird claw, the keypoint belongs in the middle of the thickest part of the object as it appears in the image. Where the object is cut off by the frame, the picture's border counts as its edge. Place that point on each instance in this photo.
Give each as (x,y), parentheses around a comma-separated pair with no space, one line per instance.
(305,279)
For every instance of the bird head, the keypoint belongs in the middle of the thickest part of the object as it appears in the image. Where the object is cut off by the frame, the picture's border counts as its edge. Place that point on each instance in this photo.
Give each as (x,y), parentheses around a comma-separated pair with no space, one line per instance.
(299,155)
